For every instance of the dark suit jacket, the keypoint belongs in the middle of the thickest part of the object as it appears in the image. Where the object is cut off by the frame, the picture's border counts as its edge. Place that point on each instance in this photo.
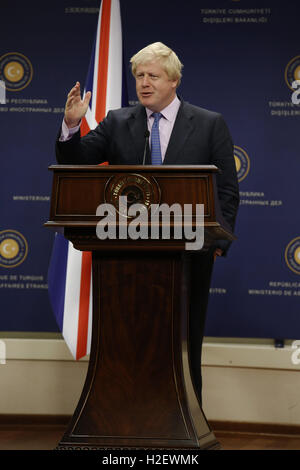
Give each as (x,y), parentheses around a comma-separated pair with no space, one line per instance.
(199,137)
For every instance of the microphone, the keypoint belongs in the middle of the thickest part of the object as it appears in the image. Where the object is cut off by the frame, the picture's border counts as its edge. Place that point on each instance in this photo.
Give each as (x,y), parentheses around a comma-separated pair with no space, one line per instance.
(147,135)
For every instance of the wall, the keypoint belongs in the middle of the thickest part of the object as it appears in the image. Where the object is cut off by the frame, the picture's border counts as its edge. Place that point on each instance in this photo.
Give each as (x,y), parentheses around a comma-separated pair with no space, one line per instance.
(243,381)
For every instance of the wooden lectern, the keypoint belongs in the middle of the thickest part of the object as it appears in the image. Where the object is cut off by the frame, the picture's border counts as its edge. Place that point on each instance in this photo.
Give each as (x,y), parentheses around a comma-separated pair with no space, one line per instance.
(138,392)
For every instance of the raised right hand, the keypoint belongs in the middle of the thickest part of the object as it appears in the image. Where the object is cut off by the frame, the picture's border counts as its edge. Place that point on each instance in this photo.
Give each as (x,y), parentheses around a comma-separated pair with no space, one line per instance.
(75,107)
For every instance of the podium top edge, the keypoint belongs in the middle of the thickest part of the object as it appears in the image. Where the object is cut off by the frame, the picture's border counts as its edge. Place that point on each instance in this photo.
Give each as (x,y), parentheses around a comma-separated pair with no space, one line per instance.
(125,168)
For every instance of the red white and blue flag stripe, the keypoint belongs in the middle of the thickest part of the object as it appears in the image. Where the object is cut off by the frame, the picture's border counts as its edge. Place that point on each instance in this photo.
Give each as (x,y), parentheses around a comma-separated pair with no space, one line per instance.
(70,273)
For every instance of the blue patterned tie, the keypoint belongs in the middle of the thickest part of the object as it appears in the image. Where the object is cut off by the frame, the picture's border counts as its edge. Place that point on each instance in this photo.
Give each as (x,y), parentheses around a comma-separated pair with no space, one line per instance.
(155,141)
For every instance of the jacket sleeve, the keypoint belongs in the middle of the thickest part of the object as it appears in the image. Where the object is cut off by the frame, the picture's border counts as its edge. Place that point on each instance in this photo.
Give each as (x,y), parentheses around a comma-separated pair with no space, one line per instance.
(227,182)
(90,149)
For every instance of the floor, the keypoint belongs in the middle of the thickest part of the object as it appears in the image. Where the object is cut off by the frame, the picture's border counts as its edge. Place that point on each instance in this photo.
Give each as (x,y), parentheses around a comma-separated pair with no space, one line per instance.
(46,437)
(252,441)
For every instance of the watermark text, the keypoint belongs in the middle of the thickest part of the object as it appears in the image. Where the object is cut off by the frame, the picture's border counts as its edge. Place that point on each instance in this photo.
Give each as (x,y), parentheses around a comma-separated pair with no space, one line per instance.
(157,221)
(295,358)
(2,352)
(2,92)
(296,93)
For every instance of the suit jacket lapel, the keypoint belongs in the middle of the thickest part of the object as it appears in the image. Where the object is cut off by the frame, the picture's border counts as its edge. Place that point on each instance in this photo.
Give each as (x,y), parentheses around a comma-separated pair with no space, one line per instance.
(182,129)
(137,123)
(183,126)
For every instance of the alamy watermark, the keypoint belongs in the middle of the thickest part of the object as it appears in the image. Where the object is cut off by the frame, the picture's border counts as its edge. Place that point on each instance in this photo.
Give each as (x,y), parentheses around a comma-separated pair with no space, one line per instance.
(296,94)
(2,352)
(2,92)
(295,358)
(157,221)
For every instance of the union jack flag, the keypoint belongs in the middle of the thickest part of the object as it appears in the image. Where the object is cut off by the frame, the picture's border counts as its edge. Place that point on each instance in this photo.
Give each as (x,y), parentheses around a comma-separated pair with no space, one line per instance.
(70,273)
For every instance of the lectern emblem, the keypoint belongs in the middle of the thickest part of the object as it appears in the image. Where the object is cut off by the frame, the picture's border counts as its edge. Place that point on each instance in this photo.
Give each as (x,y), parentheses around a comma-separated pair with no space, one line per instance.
(136,188)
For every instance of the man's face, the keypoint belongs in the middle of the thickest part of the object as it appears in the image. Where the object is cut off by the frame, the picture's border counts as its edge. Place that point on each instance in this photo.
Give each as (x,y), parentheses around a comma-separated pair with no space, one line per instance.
(153,87)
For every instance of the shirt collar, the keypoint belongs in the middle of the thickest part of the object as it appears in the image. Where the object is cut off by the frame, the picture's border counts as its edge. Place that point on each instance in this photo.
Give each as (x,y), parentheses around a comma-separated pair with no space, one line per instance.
(170,111)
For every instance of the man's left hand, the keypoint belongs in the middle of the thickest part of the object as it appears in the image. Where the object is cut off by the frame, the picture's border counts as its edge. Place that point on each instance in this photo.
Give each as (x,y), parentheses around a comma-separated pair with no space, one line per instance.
(218,252)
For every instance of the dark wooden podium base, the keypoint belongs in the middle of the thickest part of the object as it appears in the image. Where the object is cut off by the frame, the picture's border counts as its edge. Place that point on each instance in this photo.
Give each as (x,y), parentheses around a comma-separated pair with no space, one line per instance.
(138,392)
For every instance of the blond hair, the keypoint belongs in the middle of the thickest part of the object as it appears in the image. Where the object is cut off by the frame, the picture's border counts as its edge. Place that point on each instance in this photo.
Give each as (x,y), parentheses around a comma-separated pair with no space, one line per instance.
(162,53)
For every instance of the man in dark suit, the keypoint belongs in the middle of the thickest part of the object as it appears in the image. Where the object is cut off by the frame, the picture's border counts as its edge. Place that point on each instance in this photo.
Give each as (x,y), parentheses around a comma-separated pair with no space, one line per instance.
(180,134)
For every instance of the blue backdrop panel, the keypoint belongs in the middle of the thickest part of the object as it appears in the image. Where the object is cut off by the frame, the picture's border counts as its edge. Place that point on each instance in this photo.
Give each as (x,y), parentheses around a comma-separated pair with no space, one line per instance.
(240,58)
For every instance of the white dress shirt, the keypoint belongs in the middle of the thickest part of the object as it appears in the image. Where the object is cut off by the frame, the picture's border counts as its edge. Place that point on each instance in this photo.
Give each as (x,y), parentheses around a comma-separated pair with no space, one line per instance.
(166,124)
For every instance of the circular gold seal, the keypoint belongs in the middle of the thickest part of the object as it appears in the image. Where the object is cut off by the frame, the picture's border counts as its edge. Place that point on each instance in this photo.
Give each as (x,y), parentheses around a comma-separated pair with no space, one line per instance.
(13,248)
(292,71)
(242,163)
(15,70)
(124,191)
(292,255)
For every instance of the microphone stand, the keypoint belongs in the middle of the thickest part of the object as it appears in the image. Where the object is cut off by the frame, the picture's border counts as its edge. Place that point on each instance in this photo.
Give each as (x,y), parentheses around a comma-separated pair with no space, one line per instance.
(147,135)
